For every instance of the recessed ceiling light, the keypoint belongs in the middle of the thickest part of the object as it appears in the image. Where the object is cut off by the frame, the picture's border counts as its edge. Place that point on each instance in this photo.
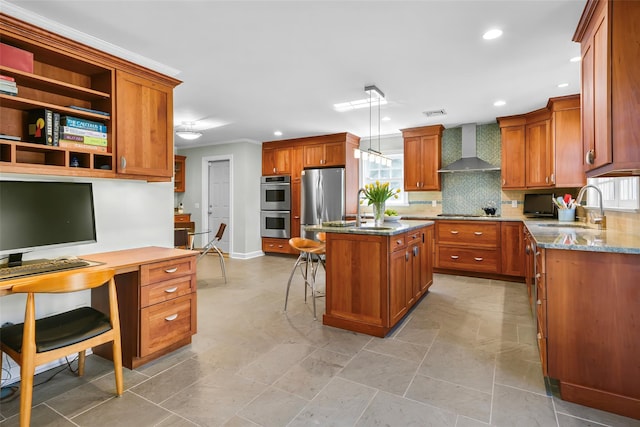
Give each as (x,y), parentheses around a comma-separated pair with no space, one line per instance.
(499,103)
(576,59)
(563,85)
(386,118)
(492,34)
(277,133)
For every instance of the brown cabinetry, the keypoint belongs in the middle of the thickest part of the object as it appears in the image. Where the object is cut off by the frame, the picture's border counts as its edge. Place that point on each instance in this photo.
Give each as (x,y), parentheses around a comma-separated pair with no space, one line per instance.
(67,73)
(323,155)
(179,164)
(156,301)
(609,36)
(270,244)
(542,149)
(512,248)
(276,160)
(422,158)
(373,296)
(587,327)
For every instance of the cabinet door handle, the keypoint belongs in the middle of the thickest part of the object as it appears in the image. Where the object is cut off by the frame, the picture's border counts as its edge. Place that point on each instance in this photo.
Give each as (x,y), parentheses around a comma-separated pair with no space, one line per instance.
(504,182)
(123,162)
(553,178)
(539,336)
(415,251)
(478,258)
(398,242)
(171,270)
(406,256)
(527,250)
(590,157)
(539,302)
(171,290)
(274,170)
(546,179)
(417,184)
(537,275)
(172,317)
(478,233)
(454,232)
(455,256)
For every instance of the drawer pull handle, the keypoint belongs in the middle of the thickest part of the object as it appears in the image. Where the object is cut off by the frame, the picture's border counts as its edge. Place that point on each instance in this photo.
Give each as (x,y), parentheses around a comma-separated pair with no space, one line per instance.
(478,258)
(454,232)
(398,242)
(478,233)
(171,270)
(171,290)
(172,317)
(537,275)
(454,257)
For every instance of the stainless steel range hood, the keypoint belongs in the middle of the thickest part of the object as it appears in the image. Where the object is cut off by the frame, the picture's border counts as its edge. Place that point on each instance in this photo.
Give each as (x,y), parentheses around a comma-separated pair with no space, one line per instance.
(469,161)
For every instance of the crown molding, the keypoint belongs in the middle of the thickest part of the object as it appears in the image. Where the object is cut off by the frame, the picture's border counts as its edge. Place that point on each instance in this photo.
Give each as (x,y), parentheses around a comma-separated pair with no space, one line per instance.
(73,34)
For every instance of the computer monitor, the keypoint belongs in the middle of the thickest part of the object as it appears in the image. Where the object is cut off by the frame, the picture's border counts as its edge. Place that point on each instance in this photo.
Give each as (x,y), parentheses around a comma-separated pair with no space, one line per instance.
(41,215)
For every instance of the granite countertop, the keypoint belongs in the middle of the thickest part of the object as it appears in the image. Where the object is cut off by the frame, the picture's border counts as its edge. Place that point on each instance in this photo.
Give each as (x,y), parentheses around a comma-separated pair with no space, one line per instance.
(577,236)
(368,227)
(464,217)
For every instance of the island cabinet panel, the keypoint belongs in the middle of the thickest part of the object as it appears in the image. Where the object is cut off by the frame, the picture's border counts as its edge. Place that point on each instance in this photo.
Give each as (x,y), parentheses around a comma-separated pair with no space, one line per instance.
(593,327)
(357,271)
(374,280)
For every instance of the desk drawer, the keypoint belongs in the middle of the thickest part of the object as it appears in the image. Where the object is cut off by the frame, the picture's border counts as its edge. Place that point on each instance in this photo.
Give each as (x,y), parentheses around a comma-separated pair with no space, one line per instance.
(485,260)
(472,233)
(167,290)
(166,323)
(159,271)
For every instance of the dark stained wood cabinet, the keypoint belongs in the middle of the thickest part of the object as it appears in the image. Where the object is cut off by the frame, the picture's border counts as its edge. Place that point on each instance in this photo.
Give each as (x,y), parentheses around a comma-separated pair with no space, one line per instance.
(609,35)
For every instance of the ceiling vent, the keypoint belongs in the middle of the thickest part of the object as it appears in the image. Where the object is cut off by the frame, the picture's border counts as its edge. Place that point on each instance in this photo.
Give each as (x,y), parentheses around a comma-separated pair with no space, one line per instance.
(435,113)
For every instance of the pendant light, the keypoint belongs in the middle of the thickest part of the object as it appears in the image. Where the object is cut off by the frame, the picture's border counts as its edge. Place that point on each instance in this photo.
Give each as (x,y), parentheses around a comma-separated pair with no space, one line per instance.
(372,155)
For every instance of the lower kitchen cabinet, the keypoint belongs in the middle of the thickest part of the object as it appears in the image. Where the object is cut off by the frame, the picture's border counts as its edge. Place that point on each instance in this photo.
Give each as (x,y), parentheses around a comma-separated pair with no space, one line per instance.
(275,245)
(587,318)
(373,281)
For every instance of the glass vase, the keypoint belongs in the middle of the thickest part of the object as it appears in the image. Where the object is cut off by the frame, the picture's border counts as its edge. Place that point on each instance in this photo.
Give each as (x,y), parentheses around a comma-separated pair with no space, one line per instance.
(378,213)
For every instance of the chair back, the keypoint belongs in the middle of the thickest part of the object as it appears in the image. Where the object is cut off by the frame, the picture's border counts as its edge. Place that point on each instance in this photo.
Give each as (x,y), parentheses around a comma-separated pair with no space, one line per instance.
(220,232)
(65,281)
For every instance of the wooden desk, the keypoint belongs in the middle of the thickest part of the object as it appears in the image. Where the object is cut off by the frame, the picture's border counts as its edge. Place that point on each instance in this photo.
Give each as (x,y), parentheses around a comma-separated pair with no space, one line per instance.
(156,300)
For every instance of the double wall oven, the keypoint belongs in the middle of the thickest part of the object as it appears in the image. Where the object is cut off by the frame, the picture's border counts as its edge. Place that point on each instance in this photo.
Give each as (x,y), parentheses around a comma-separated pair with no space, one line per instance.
(275,206)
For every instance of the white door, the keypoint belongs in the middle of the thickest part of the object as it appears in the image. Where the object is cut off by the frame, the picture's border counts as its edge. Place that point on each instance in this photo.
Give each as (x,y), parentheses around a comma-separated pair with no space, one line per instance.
(219,200)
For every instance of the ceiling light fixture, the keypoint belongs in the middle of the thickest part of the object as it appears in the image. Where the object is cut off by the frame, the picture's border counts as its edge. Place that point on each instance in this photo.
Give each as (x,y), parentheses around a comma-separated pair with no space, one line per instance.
(576,59)
(492,34)
(188,132)
(563,85)
(374,156)
(499,103)
(277,133)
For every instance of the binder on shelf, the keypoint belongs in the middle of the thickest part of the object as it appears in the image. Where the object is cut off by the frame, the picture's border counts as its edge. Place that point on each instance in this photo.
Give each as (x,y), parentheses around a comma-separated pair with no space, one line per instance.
(83,124)
(40,126)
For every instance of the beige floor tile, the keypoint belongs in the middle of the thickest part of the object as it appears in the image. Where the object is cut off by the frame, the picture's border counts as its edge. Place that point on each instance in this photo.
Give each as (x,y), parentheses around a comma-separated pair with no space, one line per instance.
(273,408)
(515,407)
(128,409)
(390,410)
(272,365)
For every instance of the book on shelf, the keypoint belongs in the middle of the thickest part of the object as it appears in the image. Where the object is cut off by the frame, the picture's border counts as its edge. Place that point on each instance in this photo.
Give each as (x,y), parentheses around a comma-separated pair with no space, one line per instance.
(56,128)
(9,137)
(8,85)
(89,110)
(40,126)
(82,124)
(89,140)
(7,78)
(9,92)
(74,144)
(82,132)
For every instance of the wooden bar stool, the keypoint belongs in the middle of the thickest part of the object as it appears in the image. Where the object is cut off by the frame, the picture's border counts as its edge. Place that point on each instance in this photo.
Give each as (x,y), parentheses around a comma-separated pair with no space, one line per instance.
(311,256)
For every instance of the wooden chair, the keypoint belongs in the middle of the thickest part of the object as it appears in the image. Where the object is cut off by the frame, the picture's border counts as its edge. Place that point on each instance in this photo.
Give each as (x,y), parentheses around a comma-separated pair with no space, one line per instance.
(36,342)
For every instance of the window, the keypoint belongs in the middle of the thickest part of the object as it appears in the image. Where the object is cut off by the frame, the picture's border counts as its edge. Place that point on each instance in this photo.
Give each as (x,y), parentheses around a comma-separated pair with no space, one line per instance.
(617,193)
(394,174)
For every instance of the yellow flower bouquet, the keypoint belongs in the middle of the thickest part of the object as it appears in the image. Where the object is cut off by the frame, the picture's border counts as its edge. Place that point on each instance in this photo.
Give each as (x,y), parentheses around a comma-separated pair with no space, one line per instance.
(377,194)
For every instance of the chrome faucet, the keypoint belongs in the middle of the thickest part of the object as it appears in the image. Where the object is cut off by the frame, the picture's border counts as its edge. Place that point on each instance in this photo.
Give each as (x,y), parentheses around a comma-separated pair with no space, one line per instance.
(602,221)
(358,222)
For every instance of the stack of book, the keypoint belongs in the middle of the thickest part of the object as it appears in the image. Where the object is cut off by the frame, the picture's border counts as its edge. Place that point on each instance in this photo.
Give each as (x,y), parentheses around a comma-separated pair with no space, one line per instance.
(8,85)
(75,132)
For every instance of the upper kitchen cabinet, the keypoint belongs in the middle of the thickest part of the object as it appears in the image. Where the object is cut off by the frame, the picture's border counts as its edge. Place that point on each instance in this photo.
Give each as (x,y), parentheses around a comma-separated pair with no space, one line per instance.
(324,155)
(609,36)
(179,164)
(542,149)
(422,158)
(145,126)
(60,77)
(276,160)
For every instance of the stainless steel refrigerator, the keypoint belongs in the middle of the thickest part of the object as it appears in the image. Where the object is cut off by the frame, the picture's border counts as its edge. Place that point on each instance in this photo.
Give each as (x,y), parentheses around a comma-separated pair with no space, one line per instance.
(322,197)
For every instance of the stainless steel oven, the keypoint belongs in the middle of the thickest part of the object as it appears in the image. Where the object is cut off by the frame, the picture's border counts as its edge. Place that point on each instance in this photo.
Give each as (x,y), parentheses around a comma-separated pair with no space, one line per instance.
(275,193)
(275,224)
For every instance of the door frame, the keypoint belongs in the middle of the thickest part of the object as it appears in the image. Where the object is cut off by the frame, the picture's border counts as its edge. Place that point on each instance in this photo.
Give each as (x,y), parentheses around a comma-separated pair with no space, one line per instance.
(205,196)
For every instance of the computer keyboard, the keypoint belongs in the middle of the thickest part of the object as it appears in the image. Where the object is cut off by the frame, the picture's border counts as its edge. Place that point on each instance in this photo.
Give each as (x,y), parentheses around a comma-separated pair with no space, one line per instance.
(41,267)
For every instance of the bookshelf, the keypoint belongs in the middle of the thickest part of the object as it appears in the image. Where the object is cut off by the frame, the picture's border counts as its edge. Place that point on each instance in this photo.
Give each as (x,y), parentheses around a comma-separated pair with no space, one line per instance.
(67,73)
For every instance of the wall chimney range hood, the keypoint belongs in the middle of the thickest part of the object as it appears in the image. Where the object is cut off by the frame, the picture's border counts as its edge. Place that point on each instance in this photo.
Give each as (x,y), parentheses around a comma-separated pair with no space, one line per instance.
(469,161)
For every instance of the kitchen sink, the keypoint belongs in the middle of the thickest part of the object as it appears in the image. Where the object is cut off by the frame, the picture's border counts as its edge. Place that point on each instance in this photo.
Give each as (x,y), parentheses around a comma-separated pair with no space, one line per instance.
(561,225)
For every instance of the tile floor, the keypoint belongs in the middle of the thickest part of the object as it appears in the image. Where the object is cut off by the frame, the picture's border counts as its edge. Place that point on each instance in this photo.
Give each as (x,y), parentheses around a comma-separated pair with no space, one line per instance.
(465,356)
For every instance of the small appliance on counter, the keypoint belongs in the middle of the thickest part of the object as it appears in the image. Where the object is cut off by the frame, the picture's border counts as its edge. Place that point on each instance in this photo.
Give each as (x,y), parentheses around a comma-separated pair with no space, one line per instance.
(539,206)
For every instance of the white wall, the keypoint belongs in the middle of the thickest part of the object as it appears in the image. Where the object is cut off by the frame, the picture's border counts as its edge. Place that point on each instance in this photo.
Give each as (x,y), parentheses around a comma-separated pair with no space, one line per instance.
(247,169)
(129,214)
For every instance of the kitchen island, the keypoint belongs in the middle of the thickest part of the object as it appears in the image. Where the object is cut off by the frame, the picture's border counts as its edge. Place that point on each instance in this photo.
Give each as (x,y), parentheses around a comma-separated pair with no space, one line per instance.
(585,304)
(376,274)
